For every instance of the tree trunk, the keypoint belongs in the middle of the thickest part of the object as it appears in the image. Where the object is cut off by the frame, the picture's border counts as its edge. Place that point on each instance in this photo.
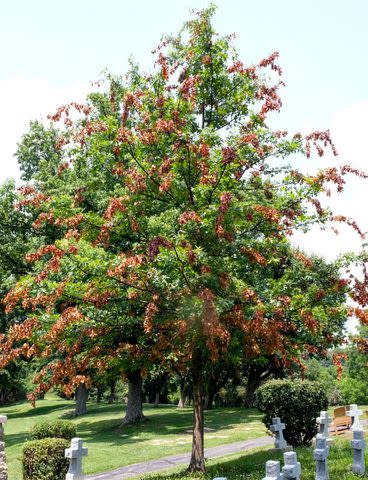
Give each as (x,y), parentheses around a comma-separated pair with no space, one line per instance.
(253,382)
(134,411)
(197,459)
(157,400)
(99,394)
(112,396)
(208,401)
(183,394)
(81,398)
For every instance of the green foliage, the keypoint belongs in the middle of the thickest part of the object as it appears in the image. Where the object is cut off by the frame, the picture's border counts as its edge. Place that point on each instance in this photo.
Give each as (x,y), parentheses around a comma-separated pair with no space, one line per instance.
(53,429)
(354,390)
(298,404)
(324,372)
(37,150)
(44,459)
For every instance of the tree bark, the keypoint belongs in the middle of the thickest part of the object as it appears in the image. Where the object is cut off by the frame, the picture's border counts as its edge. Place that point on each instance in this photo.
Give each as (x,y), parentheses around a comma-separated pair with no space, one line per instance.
(81,398)
(157,399)
(197,458)
(183,394)
(134,411)
(99,394)
(112,396)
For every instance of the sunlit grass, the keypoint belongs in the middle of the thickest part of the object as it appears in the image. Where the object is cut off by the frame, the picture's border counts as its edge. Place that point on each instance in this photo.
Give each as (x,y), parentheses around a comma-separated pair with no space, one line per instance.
(164,433)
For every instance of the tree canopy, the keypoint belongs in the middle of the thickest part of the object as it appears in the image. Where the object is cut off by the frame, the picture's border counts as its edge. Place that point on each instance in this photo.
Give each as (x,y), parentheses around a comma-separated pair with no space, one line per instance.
(172,208)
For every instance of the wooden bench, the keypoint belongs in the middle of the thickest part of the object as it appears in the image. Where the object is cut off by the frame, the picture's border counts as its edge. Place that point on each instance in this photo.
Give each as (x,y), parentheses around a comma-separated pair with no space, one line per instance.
(341,421)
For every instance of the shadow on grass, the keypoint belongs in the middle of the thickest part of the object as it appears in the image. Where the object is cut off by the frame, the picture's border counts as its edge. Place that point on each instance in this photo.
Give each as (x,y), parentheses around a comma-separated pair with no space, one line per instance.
(169,422)
(93,427)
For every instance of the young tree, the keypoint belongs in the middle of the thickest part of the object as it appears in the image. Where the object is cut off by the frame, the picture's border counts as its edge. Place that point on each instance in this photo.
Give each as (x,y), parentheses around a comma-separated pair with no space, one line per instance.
(177,261)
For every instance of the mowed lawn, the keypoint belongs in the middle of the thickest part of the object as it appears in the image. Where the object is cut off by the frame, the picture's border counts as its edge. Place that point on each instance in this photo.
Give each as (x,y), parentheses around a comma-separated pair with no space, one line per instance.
(251,465)
(164,433)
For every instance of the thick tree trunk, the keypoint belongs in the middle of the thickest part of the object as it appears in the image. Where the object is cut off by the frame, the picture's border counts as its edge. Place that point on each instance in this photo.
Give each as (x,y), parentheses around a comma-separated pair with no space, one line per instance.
(197,459)
(183,394)
(134,411)
(253,382)
(81,397)
(112,396)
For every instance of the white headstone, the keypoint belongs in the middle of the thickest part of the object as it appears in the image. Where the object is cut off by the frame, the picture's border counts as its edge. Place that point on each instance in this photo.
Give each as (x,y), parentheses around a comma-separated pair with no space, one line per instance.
(273,471)
(277,428)
(3,466)
(75,453)
(291,469)
(358,444)
(354,412)
(320,455)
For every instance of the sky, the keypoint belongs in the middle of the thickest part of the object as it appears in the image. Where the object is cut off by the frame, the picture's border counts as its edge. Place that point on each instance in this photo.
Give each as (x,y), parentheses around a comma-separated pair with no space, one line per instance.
(51,51)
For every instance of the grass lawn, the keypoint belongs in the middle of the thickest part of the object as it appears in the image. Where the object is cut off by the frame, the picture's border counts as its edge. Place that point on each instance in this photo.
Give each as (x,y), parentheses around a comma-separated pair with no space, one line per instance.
(251,465)
(110,447)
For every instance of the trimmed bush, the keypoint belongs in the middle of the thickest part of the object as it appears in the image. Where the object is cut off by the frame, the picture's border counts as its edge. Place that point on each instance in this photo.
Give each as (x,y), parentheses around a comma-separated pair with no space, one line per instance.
(298,404)
(44,459)
(53,429)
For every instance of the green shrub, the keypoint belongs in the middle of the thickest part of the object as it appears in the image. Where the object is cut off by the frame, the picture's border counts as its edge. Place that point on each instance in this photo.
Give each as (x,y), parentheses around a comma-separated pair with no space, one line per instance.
(53,429)
(44,459)
(298,404)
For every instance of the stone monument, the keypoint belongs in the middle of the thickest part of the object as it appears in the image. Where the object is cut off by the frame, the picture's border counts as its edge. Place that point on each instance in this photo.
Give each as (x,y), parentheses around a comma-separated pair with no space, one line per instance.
(75,453)
(291,469)
(273,471)
(358,444)
(277,428)
(3,467)
(354,412)
(320,455)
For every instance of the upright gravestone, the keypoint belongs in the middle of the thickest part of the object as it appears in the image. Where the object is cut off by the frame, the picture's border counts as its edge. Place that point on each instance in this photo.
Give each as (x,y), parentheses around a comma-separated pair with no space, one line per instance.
(324,421)
(3,467)
(358,444)
(277,428)
(75,453)
(320,455)
(354,412)
(291,469)
(273,471)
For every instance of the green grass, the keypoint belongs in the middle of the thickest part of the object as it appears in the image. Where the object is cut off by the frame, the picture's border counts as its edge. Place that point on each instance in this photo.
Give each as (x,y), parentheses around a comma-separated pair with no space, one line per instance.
(251,465)
(163,434)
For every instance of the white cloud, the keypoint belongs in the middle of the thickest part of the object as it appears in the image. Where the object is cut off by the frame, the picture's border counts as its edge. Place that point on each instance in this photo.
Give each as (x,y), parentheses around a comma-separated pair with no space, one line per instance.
(24,99)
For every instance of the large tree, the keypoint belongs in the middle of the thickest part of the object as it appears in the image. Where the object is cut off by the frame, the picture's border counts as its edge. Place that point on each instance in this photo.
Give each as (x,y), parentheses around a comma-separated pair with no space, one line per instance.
(176,263)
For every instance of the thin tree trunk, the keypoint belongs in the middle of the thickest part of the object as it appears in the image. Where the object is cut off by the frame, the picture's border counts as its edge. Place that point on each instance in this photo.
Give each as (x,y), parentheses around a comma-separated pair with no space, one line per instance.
(81,398)
(157,399)
(99,394)
(197,458)
(183,394)
(134,411)
(112,396)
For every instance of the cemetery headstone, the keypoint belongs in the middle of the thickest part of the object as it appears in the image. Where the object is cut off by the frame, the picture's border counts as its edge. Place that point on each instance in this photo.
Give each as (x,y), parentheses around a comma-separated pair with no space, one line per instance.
(75,453)
(277,428)
(358,443)
(291,469)
(320,455)
(354,412)
(273,471)
(324,421)
(3,467)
